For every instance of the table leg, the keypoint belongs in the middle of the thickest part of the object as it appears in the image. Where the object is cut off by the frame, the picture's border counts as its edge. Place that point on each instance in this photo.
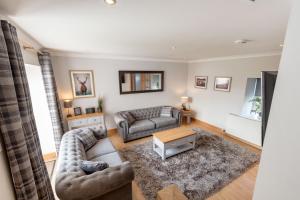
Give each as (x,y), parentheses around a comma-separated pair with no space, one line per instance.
(194,143)
(188,119)
(163,153)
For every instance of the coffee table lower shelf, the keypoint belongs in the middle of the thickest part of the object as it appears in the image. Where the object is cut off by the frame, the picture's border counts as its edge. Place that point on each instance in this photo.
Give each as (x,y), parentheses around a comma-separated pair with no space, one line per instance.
(173,151)
(173,147)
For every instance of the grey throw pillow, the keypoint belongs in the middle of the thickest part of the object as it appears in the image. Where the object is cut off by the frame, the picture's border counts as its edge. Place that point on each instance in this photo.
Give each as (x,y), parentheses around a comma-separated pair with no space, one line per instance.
(128,116)
(166,111)
(86,137)
(99,131)
(90,167)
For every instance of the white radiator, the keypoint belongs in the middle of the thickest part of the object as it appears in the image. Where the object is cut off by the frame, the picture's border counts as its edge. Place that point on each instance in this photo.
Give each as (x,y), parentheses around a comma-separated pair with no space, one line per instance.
(244,128)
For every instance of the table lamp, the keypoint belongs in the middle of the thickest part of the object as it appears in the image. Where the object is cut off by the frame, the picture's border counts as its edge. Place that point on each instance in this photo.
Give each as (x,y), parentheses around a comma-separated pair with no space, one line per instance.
(185,103)
(68,104)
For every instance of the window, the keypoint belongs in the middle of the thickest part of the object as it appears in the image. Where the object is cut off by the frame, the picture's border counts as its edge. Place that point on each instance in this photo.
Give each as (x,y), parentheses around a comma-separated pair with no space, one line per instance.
(40,108)
(252,102)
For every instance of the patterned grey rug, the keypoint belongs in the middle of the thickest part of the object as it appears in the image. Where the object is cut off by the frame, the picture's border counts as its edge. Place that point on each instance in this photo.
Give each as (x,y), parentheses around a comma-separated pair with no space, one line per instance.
(199,173)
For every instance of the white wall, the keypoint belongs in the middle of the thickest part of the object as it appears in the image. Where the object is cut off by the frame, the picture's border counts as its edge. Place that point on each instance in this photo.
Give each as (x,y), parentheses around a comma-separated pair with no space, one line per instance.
(214,106)
(279,171)
(6,188)
(107,83)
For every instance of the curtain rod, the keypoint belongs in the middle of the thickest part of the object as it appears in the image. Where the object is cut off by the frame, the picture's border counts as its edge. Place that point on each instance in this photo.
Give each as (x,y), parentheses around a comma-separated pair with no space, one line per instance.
(28,47)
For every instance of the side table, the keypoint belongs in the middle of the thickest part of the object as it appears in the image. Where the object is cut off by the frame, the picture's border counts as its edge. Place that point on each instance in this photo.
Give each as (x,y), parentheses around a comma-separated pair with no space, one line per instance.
(188,114)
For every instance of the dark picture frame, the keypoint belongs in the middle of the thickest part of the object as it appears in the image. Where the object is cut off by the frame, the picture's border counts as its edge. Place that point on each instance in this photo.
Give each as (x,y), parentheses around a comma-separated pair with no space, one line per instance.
(222,83)
(201,82)
(77,111)
(90,110)
(122,80)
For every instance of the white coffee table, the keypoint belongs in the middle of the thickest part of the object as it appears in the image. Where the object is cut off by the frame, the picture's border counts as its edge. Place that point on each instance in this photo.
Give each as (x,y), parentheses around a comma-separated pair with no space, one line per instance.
(171,142)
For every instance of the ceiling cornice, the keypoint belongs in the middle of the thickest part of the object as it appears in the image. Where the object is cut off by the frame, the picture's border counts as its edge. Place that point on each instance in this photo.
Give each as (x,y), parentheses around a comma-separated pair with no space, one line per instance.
(113,57)
(236,57)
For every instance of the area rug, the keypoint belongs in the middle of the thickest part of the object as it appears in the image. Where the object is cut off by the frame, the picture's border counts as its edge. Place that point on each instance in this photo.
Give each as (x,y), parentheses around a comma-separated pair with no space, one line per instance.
(199,173)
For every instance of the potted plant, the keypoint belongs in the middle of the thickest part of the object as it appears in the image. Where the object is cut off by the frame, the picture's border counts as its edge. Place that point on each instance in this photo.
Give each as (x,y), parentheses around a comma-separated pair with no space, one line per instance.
(100,104)
(257,105)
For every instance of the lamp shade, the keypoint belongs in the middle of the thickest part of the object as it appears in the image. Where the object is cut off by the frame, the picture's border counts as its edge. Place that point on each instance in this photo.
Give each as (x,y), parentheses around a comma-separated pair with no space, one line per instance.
(68,103)
(185,99)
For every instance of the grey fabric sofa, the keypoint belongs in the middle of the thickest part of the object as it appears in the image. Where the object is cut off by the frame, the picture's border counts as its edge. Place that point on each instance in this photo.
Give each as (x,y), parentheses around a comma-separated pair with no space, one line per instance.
(110,184)
(148,121)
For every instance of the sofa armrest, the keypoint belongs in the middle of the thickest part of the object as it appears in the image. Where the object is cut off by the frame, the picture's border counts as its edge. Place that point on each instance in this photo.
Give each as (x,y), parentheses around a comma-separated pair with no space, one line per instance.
(120,121)
(73,186)
(122,125)
(176,113)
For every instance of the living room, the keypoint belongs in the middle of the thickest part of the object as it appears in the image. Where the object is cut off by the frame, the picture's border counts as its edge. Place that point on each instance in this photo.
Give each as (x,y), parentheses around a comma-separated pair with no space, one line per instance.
(174,110)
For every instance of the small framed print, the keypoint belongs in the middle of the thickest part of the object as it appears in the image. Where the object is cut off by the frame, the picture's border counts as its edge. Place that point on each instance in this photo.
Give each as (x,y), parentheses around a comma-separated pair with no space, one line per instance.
(201,82)
(223,84)
(77,111)
(82,83)
(90,110)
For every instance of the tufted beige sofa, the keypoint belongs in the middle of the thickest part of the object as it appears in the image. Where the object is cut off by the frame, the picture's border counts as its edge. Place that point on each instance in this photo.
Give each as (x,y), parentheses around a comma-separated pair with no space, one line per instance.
(110,184)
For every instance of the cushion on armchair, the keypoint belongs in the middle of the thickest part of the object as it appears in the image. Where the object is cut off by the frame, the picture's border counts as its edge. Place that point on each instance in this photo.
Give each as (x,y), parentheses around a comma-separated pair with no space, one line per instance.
(86,137)
(90,167)
(98,130)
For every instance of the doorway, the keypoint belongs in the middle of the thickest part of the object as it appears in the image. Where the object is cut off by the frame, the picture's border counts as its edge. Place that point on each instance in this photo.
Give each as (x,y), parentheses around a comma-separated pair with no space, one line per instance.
(268,86)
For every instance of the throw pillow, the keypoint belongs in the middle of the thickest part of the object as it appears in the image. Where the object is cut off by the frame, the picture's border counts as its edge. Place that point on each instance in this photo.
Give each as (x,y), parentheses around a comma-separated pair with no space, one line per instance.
(99,131)
(166,111)
(90,167)
(86,137)
(129,117)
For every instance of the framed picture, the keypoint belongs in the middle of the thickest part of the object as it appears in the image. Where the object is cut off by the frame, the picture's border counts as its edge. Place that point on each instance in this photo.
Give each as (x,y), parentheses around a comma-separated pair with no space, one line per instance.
(223,84)
(90,110)
(77,111)
(82,83)
(201,82)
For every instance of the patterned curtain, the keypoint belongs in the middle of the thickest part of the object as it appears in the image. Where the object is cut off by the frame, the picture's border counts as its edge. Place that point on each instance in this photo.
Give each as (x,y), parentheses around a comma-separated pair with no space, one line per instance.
(17,123)
(52,97)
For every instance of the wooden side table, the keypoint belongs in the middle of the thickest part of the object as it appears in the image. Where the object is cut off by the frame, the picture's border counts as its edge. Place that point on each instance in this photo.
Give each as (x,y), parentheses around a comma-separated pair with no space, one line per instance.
(172,192)
(188,114)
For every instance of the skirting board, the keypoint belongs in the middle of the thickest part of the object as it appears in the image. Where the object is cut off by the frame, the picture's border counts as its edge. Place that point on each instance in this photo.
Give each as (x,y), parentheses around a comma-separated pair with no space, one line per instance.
(221,131)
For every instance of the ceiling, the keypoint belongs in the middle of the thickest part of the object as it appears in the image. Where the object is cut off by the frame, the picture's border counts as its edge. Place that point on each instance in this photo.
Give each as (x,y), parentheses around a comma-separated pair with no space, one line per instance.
(161,29)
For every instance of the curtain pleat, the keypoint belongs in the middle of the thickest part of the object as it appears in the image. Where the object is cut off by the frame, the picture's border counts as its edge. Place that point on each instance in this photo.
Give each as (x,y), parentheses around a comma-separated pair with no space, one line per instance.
(17,124)
(52,97)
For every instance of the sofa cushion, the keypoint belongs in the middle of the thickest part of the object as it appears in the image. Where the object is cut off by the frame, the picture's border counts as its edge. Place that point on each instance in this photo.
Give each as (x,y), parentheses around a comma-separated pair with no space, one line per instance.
(129,117)
(103,146)
(141,125)
(112,159)
(90,167)
(86,137)
(166,111)
(163,121)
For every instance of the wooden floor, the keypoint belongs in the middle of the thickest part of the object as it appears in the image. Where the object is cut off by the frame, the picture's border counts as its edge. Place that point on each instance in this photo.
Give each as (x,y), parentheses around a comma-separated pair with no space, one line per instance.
(240,189)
